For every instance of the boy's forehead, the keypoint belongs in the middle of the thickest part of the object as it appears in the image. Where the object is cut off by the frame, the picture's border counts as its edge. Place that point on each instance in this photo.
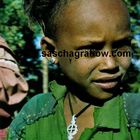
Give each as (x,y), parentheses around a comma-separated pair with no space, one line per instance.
(96,8)
(81,12)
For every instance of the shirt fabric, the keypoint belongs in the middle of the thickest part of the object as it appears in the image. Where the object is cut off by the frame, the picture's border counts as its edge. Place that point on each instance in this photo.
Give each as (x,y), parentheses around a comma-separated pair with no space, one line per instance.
(42,118)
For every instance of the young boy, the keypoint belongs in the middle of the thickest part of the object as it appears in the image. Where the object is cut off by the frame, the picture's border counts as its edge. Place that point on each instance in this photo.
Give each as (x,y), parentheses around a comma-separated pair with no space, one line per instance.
(66,112)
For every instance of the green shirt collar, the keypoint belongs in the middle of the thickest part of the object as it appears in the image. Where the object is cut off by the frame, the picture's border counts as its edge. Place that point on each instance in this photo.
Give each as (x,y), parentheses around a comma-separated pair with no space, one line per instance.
(57,90)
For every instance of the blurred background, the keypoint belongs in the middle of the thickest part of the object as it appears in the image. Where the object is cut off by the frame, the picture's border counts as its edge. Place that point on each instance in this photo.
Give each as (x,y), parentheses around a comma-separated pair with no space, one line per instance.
(24,37)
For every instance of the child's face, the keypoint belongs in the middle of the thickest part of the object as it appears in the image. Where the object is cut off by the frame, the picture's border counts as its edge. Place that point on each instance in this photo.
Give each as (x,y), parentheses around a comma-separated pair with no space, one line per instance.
(95,24)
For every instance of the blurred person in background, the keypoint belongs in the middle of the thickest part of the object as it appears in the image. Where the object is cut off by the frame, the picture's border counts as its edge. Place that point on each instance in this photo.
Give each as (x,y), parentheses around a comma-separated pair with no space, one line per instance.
(13,87)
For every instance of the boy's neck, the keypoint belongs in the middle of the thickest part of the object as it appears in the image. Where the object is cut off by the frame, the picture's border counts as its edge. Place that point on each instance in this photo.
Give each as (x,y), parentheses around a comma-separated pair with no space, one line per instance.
(84,120)
(74,103)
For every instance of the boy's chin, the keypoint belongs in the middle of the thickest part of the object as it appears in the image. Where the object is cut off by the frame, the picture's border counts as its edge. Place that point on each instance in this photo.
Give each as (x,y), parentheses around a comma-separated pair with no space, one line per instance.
(104,96)
(99,96)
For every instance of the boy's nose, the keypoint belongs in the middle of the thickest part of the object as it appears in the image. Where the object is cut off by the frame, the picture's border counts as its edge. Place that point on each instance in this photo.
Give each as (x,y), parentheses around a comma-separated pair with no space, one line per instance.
(110,65)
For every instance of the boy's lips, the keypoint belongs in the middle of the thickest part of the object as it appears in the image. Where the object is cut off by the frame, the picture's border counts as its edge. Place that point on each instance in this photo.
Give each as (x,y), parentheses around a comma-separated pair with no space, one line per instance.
(107,85)
(107,82)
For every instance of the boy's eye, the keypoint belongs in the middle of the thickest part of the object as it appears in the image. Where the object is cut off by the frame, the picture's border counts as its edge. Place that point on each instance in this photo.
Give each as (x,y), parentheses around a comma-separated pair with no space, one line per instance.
(124,43)
(97,46)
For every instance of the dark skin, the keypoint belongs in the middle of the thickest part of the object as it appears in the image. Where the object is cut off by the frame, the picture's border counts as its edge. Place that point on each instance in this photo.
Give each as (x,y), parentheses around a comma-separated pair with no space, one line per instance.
(94,24)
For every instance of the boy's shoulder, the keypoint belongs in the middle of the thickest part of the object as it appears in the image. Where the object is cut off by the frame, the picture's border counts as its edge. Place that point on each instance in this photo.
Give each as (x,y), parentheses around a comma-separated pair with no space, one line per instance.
(131,102)
(39,106)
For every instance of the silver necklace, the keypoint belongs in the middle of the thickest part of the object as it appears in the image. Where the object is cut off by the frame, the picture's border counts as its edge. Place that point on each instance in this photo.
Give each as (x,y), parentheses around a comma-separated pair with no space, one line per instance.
(72,128)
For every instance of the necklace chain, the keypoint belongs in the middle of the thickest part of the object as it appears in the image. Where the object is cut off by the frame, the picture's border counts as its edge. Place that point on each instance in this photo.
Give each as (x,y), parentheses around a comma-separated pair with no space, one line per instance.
(72,128)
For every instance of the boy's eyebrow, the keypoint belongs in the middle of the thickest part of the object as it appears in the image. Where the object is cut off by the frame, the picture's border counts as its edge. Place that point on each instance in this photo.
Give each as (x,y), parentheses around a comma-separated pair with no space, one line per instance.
(100,42)
(122,41)
(90,44)
(124,37)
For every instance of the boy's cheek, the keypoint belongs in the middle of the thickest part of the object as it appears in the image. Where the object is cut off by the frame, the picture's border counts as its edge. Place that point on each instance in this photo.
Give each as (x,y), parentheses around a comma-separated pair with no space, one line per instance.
(125,62)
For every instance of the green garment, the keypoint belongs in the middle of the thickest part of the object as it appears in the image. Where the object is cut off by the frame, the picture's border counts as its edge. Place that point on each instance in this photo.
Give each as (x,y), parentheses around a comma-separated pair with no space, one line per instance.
(42,118)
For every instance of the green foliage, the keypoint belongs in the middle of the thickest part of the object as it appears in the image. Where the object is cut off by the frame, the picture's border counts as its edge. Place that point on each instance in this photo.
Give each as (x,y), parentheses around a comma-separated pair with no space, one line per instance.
(11,22)
(134,9)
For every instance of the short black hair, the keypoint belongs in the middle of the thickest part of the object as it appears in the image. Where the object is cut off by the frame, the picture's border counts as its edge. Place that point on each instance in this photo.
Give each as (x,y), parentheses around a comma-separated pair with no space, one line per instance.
(46,13)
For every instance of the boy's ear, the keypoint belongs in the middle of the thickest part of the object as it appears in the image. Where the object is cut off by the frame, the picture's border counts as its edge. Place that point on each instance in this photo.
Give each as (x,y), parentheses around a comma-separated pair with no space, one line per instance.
(48,47)
(47,44)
